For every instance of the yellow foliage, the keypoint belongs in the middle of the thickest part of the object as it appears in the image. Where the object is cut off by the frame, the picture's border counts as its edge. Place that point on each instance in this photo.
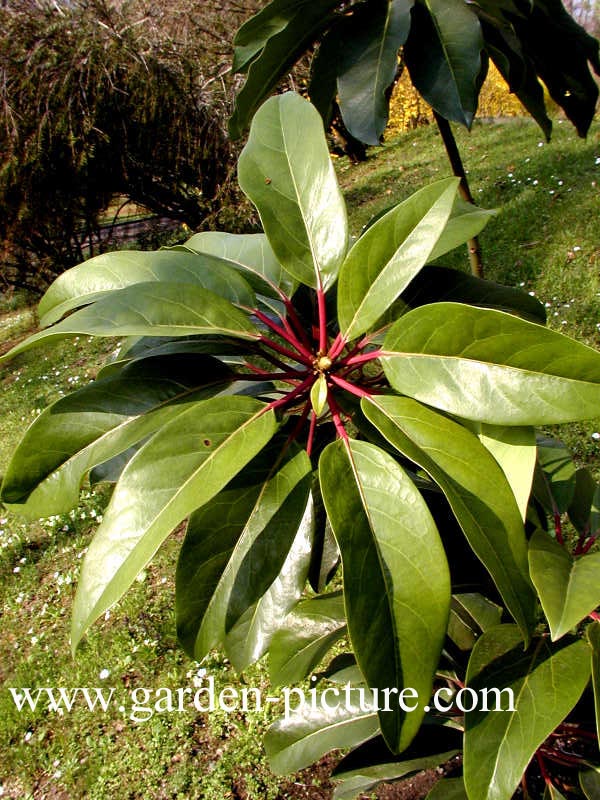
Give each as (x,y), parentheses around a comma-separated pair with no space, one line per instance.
(408,110)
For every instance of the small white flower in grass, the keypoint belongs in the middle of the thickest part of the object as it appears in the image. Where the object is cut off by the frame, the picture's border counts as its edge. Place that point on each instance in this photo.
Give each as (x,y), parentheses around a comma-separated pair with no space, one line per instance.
(28,735)
(532,294)
(17,569)
(596,435)
(597,161)
(563,322)
(107,615)
(535,182)
(104,673)
(540,144)
(34,640)
(141,577)
(576,249)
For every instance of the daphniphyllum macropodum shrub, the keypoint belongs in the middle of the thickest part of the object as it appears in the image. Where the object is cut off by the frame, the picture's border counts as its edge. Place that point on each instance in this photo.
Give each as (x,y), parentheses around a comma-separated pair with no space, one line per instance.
(308,402)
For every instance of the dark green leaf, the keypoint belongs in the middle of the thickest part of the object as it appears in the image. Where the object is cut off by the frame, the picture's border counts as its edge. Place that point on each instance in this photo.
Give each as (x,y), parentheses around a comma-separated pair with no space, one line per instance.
(593,637)
(389,254)
(307,634)
(475,487)
(443,55)
(150,309)
(448,789)
(286,171)
(580,507)
(98,422)
(568,588)
(437,284)
(589,780)
(297,740)
(546,681)
(278,53)
(368,60)
(489,366)
(249,252)
(180,468)
(396,579)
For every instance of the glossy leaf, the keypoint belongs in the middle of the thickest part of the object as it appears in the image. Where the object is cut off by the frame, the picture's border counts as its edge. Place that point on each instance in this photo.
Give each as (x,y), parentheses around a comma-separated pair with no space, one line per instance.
(282,508)
(396,579)
(514,448)
(306,635)
(254,34)
(436,284)
(589,780)
(109,272)
(286,171)
(552,793)
(278,54)
(249,252)
(470,615)
(443,55)
(568,588)
(593,638)
(297,741)
(546,680)
(448,789)
(474,486)
(180,468)
(367,65)
(492,367)
(252,634)
(389,254)
(465,222)
(372,763)
(318,395)
(98,422)
(582,502)
(150,309)
(554,482)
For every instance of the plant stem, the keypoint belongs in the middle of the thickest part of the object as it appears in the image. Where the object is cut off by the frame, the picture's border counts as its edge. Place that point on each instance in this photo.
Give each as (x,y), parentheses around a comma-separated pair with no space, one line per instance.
(465,192)
(284,351)
(349,387)
(322,321)
(363,358)
(302,387)
(311,434)
(289,337)
(336,348)
(295,321)
(336,416)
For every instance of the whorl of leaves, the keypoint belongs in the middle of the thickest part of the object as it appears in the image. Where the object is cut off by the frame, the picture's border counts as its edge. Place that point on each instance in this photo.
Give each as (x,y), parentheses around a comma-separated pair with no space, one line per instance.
(99,99)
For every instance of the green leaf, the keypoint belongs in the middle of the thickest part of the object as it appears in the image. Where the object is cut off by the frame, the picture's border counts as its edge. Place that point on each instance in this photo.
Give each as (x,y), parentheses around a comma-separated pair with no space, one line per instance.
(318,395)
(286,171)
(438,284)
(448,789)
(249,252)
(396,579)
(370,764)
(108,272)
(470,615)
(298,739)
(555,477)
(252,634)
(179,469)
(546,681)
(306,635)
(514,448)
(100,421)
(475,487)
(443,56)
(150,309)
(568,588)
(389,254)
(368,60)
(266,536)
(254,34)
(593,636)
(279,50)
(581,504)
(589,780)
(466,222)
(489,366)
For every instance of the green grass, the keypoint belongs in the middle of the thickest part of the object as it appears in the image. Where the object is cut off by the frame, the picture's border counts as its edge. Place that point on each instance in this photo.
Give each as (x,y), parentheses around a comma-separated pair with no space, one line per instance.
(544,237)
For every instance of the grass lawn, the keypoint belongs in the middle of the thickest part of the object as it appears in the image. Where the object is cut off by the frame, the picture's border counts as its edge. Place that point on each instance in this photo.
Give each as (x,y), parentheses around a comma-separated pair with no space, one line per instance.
(545,238)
